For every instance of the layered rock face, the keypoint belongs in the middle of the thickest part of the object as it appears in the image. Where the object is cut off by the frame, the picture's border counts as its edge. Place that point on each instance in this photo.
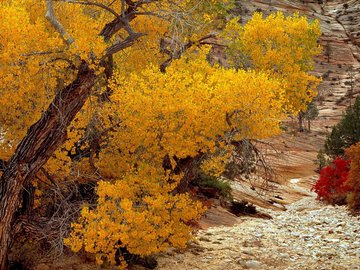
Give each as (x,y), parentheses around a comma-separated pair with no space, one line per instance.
(339,64)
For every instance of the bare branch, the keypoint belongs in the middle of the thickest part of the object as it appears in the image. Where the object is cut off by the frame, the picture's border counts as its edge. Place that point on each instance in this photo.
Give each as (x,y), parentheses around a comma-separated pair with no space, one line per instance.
(52,180)
(177,53)
(123,8)
(149,13)
(127,42)
(123,21)
(41,53)
(55,23)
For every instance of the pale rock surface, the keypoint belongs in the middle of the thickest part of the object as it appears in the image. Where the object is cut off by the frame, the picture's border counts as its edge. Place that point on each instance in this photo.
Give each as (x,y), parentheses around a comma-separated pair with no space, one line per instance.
(309,235)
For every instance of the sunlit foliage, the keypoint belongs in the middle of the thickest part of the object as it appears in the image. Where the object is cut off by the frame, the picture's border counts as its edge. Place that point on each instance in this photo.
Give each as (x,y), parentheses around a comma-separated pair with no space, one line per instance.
(282,46)
(138,115)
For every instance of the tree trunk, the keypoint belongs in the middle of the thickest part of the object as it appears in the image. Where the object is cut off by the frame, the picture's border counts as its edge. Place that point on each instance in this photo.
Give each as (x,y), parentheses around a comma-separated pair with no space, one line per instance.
(300,118)
(40,142)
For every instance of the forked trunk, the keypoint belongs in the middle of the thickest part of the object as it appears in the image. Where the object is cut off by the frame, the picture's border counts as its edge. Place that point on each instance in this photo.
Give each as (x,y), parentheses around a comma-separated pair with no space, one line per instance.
(40,142)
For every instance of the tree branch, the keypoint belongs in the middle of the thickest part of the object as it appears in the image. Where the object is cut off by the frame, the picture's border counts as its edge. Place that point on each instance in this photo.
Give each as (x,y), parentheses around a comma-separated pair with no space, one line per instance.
(3,165)
(41,53)
(177,54)
(55,23)
(122,21)
(127,42)
(52,180)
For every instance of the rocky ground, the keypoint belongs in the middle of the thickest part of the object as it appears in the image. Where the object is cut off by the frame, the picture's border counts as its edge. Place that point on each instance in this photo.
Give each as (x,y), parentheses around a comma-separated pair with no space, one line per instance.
(308,235)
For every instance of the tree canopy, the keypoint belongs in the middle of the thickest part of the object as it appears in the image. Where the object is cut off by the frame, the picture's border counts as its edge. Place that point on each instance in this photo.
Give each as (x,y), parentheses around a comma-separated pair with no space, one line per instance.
(117,87)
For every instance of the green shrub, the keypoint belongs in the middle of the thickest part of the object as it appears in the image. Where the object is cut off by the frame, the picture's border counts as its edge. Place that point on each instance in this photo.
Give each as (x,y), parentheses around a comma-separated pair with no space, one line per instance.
(214,186)
(311,113)
(321,160)
(345,133)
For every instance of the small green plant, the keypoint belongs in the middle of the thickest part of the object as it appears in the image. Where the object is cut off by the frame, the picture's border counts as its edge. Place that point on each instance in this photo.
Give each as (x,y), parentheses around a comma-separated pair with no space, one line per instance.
(328,51)
(214,187)
(321,160)
(311,113)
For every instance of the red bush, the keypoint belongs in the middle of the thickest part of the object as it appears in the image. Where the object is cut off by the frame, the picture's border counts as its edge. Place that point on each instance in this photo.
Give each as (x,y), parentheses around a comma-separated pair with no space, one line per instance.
(331,185)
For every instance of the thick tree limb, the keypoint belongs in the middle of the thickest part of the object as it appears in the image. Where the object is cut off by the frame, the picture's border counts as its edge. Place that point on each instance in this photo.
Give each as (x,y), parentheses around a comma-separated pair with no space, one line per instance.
(122,21)
(40,142)
(127,42)
(3,165)
(55,23)
(114,26)
(50,131)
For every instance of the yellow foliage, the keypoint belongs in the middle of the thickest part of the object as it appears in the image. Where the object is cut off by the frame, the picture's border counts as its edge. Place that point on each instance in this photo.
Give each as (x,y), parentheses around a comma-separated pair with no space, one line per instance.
(284,47)
(194,108)
(169,113)
(137,212)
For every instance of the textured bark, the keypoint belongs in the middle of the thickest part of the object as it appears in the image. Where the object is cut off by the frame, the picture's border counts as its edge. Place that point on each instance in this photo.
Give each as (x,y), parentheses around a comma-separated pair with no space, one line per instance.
(301,120)
(40,142)
(47,134)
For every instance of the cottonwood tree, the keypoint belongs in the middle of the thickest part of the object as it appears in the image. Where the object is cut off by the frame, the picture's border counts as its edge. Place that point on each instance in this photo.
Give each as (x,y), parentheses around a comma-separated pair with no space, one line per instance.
(114,89)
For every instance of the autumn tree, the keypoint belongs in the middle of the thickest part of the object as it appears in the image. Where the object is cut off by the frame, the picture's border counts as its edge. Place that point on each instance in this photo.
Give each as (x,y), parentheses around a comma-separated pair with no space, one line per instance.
(354,177)
(283,47)
(114,89)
